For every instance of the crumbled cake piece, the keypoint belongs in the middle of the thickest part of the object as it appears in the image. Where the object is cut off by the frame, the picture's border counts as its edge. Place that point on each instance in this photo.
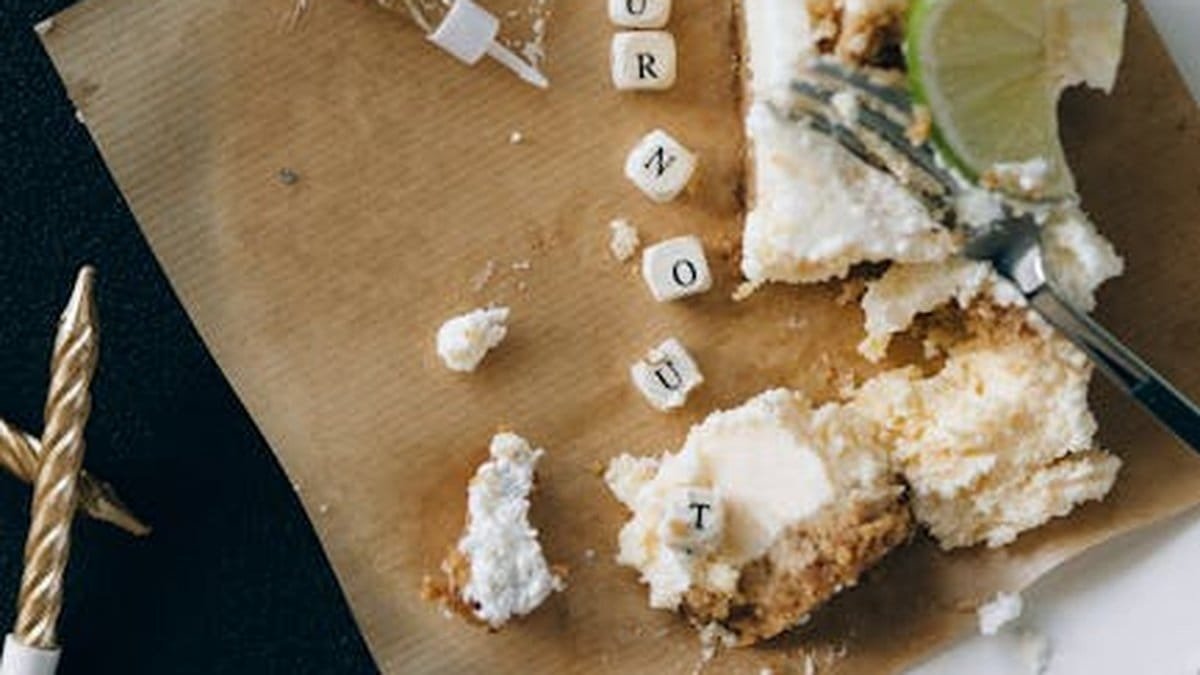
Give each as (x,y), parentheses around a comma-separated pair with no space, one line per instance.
(624,240)
(999,441)
(808,564)
(894,301)
(497,570)
(1075,253)
(464,340)
(807,502)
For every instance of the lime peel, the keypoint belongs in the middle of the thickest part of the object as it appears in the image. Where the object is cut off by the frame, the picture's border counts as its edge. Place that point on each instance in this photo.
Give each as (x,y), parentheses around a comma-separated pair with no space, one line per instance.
(991,72)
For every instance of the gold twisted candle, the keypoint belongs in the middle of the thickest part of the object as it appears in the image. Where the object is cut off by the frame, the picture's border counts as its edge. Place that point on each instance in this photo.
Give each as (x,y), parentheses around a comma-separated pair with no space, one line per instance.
(19,453)
(55,490)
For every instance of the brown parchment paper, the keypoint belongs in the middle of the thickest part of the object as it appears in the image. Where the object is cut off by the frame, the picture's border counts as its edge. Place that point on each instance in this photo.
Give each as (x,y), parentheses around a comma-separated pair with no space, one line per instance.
(320,300)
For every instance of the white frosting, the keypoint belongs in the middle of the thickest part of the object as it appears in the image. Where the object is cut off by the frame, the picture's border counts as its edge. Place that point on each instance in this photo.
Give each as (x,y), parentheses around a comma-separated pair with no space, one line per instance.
(818,210)
(773,462)
(778,41)
(1078,257)
(463,341)
(509,574)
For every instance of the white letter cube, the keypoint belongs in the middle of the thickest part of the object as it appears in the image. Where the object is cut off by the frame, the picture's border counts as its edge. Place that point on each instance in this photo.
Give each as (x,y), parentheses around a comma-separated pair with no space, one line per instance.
(676,268)
(667,375)
(660,166)
(694,520)
(639,13)
(643,60)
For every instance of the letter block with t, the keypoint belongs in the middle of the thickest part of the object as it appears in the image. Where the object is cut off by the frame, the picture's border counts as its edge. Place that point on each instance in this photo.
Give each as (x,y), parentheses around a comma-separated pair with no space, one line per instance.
(660,166)
(643,60)
(676,268)
(694,521)
(639,13)
(667,375)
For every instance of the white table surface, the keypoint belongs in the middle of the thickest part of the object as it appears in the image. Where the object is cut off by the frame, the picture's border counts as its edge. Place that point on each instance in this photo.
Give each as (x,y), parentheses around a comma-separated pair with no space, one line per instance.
(1131,606)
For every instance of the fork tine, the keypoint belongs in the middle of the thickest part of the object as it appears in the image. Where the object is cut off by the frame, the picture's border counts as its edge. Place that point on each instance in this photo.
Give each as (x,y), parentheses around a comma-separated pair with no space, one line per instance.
(813,110)
(822,122)
(879,131)
(893,96)
(886,110)
(873,145)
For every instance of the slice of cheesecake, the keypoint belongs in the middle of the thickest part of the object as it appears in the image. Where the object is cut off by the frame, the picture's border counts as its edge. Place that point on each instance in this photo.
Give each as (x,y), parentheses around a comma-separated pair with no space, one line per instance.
(765,513)
(816,212)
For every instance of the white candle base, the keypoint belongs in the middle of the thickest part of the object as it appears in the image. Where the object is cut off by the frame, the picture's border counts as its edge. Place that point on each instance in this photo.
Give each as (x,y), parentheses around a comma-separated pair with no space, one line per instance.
(20,659)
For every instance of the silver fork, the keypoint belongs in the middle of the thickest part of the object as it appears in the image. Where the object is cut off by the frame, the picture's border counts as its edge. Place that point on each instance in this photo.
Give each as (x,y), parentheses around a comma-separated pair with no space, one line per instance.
(878,135)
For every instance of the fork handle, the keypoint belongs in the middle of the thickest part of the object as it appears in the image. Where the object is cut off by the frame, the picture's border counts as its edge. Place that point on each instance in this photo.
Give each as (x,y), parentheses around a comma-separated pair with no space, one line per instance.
(1125,368)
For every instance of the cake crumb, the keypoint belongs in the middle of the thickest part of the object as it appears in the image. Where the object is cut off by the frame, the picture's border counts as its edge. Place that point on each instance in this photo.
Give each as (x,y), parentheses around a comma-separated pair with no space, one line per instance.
(323,509)
(79,116)
(463,340)
(590,555)
(921,127)
(744,290)
(497,571)
(516,137)
(999,612)
(522,265)
(44,26)
(624,241)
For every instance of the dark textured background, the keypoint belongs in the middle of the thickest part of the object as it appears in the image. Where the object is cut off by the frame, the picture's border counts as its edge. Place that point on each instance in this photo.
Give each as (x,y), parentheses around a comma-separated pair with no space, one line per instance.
(233,579)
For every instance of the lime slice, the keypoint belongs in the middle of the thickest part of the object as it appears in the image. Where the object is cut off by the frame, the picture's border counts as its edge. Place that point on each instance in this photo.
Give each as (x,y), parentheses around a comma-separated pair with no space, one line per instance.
(991,71)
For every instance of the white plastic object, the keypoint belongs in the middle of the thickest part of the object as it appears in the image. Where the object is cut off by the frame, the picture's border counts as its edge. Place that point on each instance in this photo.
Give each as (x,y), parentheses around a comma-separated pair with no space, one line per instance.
(468,32)
(660,166)
(21,659)
(666,375)
(639,13)
(694,521)
(676,268)
(643,60)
